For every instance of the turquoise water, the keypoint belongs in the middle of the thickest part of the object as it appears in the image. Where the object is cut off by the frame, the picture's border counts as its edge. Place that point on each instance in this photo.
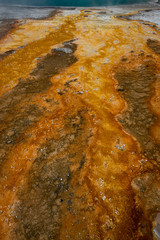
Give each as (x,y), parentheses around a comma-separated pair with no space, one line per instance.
(84,3)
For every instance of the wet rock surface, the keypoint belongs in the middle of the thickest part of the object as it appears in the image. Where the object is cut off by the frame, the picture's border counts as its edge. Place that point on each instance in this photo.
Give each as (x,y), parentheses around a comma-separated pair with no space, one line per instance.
(79,128)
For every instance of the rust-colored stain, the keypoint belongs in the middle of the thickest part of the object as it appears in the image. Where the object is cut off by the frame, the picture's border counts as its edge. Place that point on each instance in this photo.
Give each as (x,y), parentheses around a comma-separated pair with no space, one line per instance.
(79,129)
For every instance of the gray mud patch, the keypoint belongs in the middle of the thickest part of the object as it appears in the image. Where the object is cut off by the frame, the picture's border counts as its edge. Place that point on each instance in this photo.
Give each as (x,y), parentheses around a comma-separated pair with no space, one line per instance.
(17,111)
(148,17)
(22,12)
(136,89)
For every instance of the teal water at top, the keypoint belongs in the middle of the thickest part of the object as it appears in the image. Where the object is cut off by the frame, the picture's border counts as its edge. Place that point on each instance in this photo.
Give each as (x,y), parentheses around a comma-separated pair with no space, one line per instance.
(83,3)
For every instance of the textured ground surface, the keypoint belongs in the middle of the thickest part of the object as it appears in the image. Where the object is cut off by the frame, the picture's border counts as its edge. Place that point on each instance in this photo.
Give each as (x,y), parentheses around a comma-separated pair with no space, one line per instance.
(80,126)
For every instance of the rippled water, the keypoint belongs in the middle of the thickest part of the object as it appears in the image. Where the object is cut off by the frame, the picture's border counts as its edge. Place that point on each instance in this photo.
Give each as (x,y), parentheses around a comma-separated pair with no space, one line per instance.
(71,2)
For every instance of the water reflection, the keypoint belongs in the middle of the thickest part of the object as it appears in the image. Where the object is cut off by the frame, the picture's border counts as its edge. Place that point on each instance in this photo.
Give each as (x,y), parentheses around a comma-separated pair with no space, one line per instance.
(71,2)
